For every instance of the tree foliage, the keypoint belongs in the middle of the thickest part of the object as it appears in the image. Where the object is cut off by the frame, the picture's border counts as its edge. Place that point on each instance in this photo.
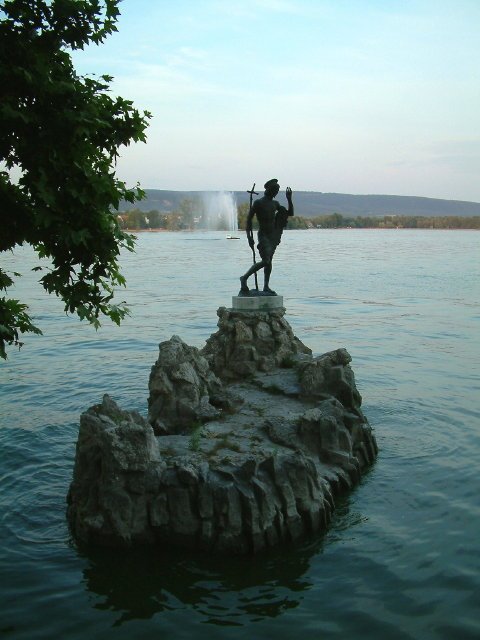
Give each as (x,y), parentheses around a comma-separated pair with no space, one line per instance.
(60,136)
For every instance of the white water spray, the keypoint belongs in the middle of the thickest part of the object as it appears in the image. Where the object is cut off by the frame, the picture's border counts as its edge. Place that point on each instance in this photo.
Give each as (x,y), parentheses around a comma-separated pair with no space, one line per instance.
(220,211)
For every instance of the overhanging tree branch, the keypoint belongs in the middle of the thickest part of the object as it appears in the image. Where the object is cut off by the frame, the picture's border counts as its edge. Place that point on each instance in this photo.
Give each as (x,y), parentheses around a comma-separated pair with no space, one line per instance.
(62,133)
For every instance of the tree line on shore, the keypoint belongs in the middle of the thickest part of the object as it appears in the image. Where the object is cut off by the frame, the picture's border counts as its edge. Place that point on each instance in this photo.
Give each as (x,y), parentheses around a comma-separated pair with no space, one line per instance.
(186,218)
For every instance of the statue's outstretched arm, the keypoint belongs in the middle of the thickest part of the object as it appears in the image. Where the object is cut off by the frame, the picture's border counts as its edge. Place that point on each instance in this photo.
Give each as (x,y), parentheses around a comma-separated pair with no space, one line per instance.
(289,194)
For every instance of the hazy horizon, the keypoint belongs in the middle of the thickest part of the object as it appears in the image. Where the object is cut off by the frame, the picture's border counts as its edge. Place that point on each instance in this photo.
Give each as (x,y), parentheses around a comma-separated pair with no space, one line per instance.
(261,189)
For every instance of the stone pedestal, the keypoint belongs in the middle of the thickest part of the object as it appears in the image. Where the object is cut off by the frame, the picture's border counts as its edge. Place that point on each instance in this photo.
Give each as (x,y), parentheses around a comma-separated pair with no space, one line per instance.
(252,339)
(256,303)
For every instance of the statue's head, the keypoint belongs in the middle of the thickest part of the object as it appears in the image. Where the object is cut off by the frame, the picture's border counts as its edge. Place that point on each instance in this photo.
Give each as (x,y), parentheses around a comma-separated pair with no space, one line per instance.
(272,187)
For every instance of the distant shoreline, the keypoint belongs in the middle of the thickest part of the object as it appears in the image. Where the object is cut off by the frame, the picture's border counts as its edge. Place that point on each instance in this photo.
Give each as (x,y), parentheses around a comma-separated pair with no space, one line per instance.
(316,203)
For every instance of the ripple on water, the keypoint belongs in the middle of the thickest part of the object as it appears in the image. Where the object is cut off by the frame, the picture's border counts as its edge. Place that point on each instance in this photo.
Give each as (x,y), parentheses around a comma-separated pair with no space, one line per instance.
(36,465)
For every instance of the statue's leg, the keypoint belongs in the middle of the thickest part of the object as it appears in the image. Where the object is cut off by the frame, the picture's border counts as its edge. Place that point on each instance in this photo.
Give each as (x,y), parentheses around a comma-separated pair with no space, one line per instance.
(266,275)
(243,279)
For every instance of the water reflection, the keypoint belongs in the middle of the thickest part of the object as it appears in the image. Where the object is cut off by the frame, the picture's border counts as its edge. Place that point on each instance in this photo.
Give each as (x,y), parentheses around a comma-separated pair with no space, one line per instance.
(225,591)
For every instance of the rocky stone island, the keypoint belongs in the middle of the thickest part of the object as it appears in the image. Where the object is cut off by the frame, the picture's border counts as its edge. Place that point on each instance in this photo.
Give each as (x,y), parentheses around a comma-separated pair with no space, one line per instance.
(247,443)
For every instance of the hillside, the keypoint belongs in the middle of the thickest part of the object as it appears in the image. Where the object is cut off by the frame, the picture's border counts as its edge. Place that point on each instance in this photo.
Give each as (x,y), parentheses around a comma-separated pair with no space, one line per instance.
(313,203)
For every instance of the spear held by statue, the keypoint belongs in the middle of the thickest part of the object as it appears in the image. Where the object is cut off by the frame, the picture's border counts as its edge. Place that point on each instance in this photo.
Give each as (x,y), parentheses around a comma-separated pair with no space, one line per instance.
(250,238)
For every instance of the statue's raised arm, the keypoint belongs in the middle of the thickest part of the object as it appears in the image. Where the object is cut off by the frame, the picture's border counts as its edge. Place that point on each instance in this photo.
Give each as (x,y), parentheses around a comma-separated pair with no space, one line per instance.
(289,194)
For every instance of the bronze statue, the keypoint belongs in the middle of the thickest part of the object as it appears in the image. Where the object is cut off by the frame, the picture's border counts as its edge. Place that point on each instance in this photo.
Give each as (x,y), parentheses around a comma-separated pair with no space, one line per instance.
(272,219)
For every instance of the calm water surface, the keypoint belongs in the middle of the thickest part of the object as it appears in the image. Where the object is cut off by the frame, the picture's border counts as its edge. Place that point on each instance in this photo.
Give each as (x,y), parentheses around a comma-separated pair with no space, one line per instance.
(401,559)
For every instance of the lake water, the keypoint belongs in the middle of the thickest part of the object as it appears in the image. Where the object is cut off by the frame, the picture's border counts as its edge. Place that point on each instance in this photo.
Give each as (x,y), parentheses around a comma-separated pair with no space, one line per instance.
(402,557)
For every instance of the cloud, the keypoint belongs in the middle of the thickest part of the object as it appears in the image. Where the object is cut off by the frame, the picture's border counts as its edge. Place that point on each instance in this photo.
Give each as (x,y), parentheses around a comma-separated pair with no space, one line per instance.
(280,6)
(188,57)
(462,156)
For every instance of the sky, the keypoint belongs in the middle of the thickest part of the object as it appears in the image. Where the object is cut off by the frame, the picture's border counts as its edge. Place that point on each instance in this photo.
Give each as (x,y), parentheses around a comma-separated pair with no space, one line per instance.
(348,96)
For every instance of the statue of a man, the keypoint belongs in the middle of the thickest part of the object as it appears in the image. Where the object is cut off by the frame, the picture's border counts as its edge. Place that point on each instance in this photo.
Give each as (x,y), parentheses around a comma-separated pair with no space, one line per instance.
(272,219)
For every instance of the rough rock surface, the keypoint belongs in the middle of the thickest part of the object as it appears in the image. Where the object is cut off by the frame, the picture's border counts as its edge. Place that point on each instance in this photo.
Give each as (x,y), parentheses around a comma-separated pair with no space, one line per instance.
(248,341)
(241,464)
(183,388)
